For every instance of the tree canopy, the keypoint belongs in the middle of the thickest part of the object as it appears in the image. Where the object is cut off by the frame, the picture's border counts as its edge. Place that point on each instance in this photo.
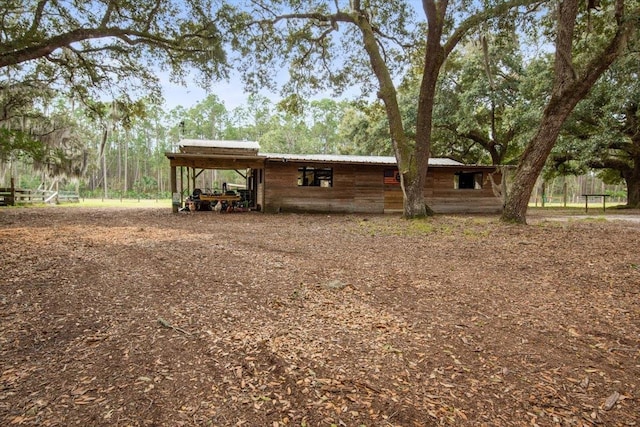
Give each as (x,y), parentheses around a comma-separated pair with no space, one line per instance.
(604,131)
(112,47)
(371,43)
(91,51)
(581,57)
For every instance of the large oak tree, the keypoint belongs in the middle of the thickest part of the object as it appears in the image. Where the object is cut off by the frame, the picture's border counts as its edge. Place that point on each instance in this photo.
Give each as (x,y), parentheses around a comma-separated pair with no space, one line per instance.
(587,42)
(368,42)
(604,130)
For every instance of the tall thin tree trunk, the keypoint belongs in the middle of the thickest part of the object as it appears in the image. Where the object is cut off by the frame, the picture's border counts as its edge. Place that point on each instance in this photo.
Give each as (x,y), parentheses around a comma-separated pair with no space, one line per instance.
(125,186)
(104,162)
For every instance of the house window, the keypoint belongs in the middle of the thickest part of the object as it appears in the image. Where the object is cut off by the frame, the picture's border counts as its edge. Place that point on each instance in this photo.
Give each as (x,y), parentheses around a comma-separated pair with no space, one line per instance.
(467,180)
(392,176)
(315,177)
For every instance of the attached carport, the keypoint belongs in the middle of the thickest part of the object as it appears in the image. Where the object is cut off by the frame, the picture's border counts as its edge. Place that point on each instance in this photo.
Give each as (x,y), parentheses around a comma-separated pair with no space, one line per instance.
(196,156)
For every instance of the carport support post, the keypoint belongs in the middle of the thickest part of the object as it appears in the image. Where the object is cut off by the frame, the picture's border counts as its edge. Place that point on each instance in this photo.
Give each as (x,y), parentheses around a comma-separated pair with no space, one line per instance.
(176,199)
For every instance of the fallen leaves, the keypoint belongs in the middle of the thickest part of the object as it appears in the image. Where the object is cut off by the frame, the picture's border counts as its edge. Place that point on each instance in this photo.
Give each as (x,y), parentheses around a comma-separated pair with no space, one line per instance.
(611,401)
(156,319)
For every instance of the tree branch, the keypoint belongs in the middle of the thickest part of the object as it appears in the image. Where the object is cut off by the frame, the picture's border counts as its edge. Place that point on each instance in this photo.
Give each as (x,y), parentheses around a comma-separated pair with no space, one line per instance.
(131,37)
(475,20)
(616,164)
(37,18)
(107,14)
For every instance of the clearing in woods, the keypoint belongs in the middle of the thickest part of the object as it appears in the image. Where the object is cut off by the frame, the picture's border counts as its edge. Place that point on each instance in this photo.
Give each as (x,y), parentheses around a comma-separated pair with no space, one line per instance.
(144,317)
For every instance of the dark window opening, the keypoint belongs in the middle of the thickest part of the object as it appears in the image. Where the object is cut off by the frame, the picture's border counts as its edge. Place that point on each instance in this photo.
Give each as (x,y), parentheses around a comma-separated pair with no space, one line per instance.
(391,176)
(315,177)
(468,181)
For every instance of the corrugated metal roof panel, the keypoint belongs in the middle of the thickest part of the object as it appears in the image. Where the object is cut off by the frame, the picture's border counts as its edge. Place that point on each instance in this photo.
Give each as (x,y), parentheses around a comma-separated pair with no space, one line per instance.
(328,158)
(214,143)
(334,158)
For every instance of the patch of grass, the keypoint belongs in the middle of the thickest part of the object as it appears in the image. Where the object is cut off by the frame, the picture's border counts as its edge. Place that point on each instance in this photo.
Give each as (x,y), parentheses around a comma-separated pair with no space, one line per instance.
(475,232)
(121,203)
(396,227)
(446,229)
(420,226)
(103,203)
(595,219)
(469,227)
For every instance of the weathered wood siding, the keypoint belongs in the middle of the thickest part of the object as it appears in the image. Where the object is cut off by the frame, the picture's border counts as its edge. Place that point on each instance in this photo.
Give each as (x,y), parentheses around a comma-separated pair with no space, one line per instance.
(447,199)
(442,197)
(356,188)
(361,189)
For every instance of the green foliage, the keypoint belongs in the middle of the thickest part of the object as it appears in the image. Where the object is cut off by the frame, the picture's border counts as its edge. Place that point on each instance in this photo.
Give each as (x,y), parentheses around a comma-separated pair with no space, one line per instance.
(610,176)
(604,130)
(205,120)
(18,145)
(365,130)
(483,113)
(48,142)
(86,49)
(317,43)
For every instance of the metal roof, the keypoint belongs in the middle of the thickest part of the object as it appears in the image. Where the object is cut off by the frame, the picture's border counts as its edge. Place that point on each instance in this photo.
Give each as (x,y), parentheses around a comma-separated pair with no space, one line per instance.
(324,158)
(214,143)
(336,158)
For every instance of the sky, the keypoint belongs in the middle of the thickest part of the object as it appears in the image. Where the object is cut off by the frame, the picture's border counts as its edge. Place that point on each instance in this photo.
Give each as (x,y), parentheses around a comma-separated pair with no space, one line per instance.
(231,93)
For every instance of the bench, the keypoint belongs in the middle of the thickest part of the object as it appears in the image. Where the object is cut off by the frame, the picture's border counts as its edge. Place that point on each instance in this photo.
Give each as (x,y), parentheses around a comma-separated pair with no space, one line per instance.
(586,201)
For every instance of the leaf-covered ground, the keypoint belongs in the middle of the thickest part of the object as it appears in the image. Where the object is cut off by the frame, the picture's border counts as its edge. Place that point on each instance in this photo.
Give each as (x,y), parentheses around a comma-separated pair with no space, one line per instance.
(146,318)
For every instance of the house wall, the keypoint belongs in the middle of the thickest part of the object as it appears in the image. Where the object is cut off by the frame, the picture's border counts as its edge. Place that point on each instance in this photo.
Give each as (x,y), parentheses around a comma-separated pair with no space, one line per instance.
(356,188)
(362,189)
(441,196)
(447,199)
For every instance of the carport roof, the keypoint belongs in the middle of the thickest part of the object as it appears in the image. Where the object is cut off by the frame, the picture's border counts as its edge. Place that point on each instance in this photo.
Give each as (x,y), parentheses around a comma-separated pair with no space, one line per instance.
(214,143)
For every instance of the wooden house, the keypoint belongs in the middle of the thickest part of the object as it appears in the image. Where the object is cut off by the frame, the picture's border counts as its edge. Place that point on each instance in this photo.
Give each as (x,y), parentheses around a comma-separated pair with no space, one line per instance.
(332,183)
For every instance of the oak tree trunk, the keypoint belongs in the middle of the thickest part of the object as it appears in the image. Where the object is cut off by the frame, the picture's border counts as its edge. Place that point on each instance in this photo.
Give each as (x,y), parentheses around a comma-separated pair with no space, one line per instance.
(633,185)
(568,89)
(531,164)
(414,205)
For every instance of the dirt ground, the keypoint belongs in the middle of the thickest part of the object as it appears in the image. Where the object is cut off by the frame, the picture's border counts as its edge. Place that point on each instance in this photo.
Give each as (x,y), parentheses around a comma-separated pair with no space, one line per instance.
(120,317)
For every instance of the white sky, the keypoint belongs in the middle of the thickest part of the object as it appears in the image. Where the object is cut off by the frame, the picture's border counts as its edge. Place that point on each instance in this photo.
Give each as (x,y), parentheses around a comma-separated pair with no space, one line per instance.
(230,93)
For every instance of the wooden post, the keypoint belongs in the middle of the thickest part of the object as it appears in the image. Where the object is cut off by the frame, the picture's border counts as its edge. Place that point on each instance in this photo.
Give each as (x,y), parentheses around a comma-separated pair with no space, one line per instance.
(181,183)
(12,197)
(175,197)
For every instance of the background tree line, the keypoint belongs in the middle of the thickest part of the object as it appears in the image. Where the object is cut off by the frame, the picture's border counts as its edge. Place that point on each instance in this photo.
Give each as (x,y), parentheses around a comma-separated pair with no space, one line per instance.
(548,87)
